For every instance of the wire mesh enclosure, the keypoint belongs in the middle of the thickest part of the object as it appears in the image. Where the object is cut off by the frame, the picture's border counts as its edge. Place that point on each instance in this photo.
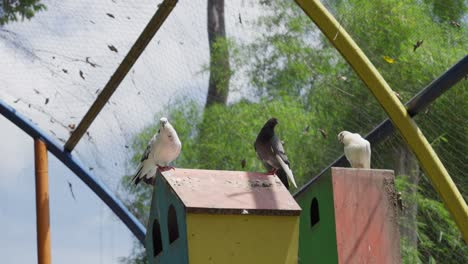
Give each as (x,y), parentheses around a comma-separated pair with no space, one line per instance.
(264,59)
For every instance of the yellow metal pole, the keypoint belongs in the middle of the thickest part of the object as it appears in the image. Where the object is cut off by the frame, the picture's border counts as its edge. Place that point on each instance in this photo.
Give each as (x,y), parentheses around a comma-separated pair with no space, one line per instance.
(42,203)
(415,139)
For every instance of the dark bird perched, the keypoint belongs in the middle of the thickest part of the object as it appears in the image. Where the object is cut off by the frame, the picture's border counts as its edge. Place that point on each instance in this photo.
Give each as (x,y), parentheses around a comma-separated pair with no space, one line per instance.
(271,152)
(418,44)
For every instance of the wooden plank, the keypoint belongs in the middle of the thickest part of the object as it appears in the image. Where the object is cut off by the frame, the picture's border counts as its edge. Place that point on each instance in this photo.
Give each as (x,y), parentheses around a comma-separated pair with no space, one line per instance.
(231,192)
(42,203)
(366,216)
(137,49)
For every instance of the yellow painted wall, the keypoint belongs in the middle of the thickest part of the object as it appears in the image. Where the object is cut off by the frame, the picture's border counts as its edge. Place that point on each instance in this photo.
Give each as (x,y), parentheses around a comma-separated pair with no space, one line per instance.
(242,239)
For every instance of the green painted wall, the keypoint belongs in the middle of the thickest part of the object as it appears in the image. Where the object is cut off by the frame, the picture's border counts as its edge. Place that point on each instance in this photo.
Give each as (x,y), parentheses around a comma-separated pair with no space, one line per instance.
(317,244)
(175,252)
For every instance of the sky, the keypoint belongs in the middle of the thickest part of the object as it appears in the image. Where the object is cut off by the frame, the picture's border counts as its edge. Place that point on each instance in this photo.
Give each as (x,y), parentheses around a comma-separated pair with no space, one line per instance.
(83,230)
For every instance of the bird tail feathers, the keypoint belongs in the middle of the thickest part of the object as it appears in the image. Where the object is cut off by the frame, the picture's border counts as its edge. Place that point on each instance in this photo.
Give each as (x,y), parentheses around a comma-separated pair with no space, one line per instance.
(283,177)
(287,170)
(368,152)
(136,179)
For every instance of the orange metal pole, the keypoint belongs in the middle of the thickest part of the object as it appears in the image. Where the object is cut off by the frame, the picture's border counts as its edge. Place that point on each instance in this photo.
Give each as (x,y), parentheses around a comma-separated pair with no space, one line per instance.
(42,203)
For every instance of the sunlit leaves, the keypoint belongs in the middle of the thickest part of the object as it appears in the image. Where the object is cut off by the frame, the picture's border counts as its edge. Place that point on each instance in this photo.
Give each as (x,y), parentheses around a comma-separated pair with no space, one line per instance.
(11,11)
(389,59)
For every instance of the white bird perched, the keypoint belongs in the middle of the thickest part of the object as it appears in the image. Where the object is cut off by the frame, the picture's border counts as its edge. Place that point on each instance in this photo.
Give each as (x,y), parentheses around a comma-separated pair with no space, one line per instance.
(357,150)
(162,149)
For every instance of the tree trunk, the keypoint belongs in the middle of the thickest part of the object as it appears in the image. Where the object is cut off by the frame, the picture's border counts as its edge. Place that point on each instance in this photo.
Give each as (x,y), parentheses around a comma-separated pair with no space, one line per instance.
(220,71)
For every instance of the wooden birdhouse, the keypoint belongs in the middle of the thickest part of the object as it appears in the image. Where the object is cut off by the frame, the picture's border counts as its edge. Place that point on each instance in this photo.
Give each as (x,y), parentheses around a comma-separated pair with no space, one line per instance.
(206,216)
(350,216)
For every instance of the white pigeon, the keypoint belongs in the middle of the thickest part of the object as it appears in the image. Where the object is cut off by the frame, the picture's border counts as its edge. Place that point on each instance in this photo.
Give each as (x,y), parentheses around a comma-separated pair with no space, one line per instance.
(162,149)
(357,150)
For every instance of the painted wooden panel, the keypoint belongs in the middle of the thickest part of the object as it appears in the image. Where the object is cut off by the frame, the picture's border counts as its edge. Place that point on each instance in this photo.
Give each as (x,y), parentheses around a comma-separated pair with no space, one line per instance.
(223,217)
(231,192)
(366,216)
(317,240)
(172,252)
(233,239)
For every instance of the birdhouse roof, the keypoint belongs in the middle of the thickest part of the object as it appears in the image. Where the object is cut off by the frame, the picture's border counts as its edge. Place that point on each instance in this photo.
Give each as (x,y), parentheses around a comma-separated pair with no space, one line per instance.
(231,192)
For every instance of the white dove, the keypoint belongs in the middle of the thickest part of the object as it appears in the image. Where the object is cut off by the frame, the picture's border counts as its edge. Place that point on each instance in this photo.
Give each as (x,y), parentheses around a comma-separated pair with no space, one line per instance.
(162,149)
(357,150)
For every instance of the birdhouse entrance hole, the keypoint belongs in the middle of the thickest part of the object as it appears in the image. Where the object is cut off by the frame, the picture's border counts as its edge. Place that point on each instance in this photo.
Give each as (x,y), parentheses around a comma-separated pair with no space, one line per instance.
(314,213)
(157,242)
(172,225)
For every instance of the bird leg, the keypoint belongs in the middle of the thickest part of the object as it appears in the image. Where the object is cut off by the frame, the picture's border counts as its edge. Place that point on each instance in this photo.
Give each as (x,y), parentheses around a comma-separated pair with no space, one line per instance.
(164,168)
(272,171)
(150,181)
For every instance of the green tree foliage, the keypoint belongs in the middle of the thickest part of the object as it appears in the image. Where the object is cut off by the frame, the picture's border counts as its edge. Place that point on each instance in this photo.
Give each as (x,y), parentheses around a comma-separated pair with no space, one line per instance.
(12,10)
(448,10)
(439,240)
(302,80)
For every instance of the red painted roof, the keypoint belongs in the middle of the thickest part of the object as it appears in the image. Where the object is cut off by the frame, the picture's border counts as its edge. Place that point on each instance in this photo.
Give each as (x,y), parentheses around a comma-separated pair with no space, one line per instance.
(231,192)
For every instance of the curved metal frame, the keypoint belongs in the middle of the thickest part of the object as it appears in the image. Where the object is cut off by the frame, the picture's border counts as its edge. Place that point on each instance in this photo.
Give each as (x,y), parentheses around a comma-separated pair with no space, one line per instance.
(415,105)
(64,153)
(395,110)
(74,165)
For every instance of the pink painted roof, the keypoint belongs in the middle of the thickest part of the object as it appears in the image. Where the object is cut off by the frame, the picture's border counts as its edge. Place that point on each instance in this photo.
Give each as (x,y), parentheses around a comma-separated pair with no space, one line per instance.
(231,192)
